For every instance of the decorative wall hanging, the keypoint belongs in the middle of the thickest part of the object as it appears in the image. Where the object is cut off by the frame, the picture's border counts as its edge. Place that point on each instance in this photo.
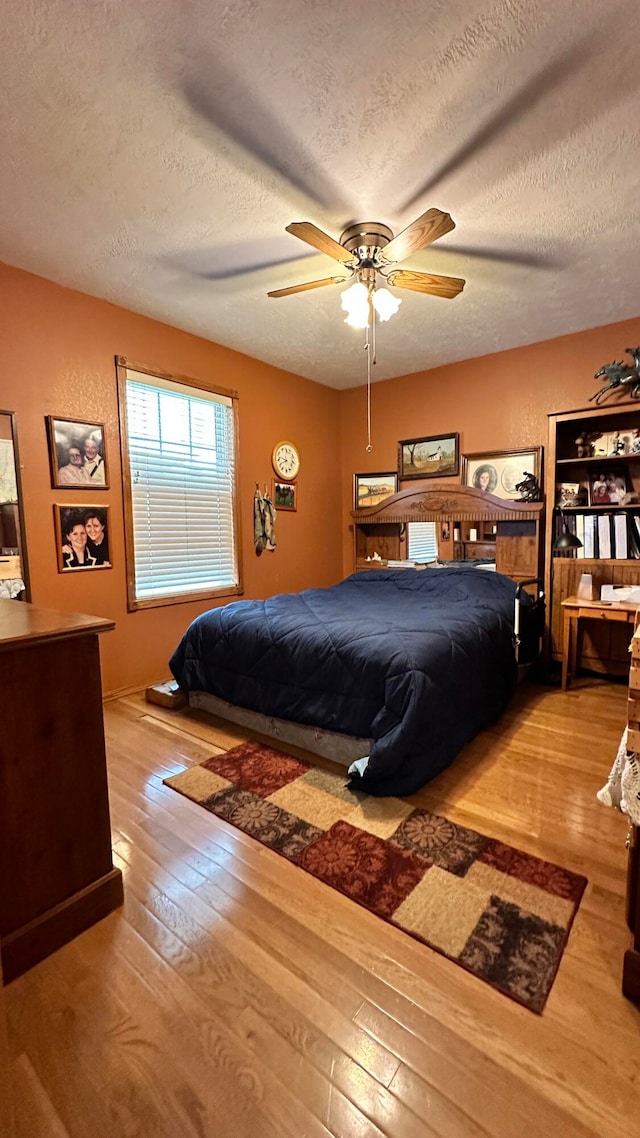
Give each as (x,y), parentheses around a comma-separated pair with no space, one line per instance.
(77,454)
(82,537)
(619,375)
(264,521)
(285,495)
(436,456)
(499,472)
(371,489)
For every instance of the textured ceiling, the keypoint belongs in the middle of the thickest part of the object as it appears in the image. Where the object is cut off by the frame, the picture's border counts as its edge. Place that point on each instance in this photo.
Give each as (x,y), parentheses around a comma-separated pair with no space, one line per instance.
(153,152)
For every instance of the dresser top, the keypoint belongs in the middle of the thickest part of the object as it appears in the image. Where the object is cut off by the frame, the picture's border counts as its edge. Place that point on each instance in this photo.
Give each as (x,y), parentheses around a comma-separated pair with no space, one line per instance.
(22,623)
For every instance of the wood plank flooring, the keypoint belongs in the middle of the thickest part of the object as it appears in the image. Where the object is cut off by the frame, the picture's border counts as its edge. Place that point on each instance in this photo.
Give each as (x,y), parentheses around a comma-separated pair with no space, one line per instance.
(234,995)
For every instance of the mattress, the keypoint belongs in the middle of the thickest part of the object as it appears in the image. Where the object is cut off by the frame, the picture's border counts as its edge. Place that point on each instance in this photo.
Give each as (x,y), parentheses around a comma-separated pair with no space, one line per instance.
(416,661)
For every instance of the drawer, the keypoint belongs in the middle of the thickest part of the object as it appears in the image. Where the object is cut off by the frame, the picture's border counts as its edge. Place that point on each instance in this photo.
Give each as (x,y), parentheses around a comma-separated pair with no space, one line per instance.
(609,615)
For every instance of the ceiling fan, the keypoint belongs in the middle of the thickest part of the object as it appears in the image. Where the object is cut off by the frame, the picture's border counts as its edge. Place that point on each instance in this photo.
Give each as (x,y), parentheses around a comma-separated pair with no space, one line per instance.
(368,248)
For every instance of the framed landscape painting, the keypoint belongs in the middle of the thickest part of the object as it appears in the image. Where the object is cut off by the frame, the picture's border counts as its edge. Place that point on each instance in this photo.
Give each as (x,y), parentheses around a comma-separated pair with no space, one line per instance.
(371,489)
(285,495)
(435,456)
(498,472)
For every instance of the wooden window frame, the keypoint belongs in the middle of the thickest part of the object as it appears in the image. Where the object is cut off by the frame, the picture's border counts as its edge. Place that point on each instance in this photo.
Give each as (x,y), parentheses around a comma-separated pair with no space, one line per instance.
(123,365)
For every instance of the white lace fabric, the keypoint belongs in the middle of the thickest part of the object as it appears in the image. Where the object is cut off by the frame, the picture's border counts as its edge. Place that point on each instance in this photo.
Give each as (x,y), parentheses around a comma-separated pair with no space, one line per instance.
(622,788)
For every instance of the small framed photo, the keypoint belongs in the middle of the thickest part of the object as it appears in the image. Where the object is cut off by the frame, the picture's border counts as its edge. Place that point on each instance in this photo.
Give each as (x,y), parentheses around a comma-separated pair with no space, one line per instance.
(499,472)
(371,489)
(435,456)
(82,537)
(621,442)
(571,494)
(77,454)
(285,495)
(609,488)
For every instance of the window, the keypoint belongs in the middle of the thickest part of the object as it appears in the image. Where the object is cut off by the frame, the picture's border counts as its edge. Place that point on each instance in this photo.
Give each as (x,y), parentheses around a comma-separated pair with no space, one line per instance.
(422,542)
(179,470)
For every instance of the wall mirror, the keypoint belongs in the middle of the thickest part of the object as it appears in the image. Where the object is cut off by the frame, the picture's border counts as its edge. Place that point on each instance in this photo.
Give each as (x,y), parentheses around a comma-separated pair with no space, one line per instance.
(14,569)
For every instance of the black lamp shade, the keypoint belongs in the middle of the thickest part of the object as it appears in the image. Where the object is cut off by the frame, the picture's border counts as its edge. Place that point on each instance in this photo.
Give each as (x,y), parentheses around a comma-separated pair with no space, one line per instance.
(566,540)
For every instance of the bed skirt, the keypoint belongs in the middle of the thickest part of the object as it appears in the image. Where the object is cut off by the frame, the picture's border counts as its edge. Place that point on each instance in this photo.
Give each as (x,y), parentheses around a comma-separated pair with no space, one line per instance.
(330,744)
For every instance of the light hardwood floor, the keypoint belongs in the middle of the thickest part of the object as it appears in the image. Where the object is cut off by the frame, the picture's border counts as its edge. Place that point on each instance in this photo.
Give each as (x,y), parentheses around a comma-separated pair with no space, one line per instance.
(234,995)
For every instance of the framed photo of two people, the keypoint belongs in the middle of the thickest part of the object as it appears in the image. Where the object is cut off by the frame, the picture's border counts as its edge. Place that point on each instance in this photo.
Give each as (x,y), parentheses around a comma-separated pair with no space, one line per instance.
(77,454)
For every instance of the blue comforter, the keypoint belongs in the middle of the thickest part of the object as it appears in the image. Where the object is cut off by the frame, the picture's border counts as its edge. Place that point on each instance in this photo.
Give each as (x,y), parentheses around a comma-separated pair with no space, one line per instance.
(418,661)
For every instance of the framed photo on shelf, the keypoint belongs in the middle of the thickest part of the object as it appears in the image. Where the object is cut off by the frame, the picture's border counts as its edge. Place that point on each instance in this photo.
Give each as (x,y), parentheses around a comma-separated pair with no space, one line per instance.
(285,495)
(571,494)
(434,456)
(609,488)
(82,537)
(499,471)
(624,441)
(371,489)
(77,454)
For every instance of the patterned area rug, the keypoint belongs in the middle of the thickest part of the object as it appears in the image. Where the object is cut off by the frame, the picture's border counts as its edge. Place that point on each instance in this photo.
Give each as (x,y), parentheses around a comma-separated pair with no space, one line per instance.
(502,914)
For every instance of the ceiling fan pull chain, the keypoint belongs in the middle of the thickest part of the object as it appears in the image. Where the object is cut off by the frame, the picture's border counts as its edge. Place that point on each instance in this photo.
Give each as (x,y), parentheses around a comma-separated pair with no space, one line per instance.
(367,348)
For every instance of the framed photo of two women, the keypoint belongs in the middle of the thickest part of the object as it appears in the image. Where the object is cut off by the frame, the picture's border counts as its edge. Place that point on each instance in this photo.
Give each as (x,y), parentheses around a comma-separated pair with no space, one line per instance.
(77,454)
(82,537)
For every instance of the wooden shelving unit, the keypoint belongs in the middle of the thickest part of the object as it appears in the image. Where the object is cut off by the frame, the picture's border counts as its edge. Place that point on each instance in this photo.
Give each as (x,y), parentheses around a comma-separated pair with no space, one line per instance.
(604,648)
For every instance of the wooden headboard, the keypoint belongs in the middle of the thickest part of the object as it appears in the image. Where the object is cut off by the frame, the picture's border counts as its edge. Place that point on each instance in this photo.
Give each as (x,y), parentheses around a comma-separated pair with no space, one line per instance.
(518,548)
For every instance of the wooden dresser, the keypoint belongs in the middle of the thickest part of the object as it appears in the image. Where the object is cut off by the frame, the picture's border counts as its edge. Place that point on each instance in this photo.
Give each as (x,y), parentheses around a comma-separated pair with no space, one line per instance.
(56,872)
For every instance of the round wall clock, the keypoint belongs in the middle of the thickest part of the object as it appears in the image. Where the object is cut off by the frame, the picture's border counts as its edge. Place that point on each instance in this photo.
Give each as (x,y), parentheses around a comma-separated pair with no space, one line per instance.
(286,460)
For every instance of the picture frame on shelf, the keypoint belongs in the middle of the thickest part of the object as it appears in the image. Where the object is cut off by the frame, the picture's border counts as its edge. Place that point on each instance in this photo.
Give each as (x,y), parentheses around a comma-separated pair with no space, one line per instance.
(82,537)
(622,442)
(571,494)
(371,489)
(432,456)
(285,495)
(498,472)
(77,454)
(609,488)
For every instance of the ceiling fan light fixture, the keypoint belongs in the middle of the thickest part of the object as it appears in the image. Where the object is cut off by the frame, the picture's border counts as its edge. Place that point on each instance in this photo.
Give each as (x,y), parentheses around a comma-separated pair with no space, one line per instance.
(355,302)
(385,303)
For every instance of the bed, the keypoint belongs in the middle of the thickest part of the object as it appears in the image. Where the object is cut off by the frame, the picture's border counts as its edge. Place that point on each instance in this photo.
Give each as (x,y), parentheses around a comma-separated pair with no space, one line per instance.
(396,667)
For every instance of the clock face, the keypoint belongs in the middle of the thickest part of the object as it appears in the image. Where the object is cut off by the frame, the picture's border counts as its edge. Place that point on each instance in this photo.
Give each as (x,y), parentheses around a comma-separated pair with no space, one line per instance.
(286,460)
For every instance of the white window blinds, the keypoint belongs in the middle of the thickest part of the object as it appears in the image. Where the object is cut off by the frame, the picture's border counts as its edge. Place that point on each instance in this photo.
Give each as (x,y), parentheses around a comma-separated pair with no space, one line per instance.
(182,467)
(422,544)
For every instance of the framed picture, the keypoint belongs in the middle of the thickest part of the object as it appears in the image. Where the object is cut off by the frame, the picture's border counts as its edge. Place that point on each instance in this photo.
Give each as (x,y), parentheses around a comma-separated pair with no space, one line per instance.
(82,537)
(435,456)
(622,442)
(571,494)
(499,471)
(610,488)
(285,495)
(77,454)
(370,489)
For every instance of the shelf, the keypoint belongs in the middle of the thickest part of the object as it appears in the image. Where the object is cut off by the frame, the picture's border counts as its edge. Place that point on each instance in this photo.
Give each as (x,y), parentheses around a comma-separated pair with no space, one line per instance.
(600,459)
(596,509)
(635,561)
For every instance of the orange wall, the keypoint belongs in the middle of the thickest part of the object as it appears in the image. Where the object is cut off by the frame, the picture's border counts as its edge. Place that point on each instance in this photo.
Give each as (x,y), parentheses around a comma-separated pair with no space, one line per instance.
(497,402)
(57,358)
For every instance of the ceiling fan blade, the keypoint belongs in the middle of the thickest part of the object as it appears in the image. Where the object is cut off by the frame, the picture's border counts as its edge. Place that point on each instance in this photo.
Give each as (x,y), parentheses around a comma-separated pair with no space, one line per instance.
(425,229)
(426,282)
(304,287)
(320,240)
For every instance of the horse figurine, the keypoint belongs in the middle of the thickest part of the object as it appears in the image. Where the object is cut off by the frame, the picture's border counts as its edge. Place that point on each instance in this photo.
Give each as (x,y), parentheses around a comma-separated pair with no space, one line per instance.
(619,374)
(529,488)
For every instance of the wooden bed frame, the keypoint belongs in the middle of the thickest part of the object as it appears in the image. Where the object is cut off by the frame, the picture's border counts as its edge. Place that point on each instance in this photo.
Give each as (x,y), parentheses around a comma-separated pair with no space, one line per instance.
(381,529)
(518,555)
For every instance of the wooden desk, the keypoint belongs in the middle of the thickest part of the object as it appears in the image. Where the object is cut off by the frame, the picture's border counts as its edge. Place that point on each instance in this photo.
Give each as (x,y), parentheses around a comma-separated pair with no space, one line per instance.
(576,610)
(56,873)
